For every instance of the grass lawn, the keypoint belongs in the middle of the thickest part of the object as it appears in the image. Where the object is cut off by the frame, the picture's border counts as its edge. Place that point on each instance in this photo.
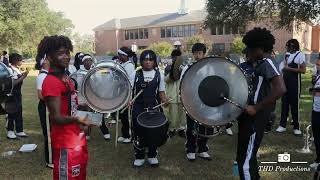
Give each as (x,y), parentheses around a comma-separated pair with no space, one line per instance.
(106,162)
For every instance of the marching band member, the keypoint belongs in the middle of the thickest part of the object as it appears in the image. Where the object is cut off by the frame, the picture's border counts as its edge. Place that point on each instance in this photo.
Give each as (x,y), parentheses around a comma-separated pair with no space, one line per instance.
(15,119)
(198,51)
(151,81)
(124,54)
(86,65)
(315,120)
(267,87)
(70,154)
(43,66)
(293,68)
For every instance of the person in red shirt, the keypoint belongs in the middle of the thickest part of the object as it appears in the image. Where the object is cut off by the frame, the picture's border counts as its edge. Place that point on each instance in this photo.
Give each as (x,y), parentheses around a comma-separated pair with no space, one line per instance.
(70,154)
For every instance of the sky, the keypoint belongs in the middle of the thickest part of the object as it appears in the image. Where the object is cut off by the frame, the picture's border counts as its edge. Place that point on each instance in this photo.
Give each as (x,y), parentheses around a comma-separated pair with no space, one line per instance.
(87,14)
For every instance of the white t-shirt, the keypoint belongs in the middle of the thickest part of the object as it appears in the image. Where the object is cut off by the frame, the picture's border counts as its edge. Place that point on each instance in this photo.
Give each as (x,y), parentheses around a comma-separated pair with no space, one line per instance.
(40,79)
(300,58)
(15,72)
(183,71)
(129,67)
(72,69)
(148,76)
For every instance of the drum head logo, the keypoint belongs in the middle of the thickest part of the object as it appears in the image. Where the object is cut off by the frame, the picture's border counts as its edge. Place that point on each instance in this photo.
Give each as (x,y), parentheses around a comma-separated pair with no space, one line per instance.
(76,170)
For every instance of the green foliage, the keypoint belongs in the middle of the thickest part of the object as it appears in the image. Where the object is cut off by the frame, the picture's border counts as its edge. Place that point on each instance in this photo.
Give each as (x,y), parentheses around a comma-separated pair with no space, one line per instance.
(237,13)
(24,23)
(110,53)
(237,45)
(83,43)
(190,41)
(162,49)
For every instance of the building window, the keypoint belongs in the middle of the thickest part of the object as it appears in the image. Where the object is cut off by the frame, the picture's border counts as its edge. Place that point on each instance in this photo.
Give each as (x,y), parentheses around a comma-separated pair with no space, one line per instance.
(163,32)
(135,34)
(220,30)
(174,31)
(218,48)
(168,31)
(140,33)
(193,30)
(187,31)
(180,31)
(145,34)
(126,35)
(227,29)
(213,30)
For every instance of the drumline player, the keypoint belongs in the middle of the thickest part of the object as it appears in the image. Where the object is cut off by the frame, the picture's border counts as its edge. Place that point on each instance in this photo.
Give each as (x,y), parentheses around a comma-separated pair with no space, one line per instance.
(294,66)
(267,86)
(86,65)
(124,55)
(70,154)
(198,51)
(151,80)
(43,66)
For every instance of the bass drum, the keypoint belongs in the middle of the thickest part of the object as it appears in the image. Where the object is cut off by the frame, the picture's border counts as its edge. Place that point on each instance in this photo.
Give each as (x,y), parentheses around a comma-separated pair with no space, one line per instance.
(77,78)
(6,82)
(152,128)
(204,85)
(106,87)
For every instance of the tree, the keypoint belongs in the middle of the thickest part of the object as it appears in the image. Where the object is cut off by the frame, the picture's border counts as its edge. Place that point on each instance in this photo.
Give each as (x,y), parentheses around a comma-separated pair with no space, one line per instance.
(162,49)
(237,45)
(24,23)
(83,43)
(237,13)
(190,41)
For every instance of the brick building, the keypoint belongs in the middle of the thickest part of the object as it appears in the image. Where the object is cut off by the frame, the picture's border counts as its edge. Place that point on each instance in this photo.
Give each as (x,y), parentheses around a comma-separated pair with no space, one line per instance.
(172,27)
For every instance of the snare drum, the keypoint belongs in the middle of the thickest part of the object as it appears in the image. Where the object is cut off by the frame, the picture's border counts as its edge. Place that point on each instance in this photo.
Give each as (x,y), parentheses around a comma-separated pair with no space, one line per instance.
(206,131)
(152,128)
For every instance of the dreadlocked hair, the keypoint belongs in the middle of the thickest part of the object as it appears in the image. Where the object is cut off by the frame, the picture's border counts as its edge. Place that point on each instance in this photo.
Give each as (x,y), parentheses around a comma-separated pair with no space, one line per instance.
(50,44)
(259,38)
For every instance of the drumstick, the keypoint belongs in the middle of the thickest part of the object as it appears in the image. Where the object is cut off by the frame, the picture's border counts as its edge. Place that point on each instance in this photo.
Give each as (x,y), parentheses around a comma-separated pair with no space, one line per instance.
(117,125)
(232,102)
(133,99)
(161,104)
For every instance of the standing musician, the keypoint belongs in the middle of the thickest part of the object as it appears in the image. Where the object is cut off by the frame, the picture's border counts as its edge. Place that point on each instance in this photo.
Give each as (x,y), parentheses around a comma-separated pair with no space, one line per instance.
(70,154)
(124,55)
(86,65)
(293,68)
(43,66)
(198,51)
(266,87)
(151,81)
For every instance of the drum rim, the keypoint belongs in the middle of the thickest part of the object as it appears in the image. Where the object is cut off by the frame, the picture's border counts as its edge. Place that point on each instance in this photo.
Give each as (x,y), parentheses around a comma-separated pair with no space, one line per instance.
(195,62)
(10,76)
(97,68)
(165,122)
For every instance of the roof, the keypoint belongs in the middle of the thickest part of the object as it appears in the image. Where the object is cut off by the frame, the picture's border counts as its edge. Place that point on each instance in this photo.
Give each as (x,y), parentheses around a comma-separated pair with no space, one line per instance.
(154,20)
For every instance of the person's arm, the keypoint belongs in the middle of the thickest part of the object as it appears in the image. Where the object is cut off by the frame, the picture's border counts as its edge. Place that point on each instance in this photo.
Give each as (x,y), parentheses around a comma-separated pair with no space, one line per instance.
(53,103)
(39,93)
(163,97)
(21,78)
(301,69)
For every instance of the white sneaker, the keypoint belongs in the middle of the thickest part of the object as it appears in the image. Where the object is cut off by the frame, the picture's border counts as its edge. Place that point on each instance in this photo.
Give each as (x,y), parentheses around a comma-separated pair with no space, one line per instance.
(191,156)
(126,140)
(49,166)
(153,161)
(297,132)
(138,162)
(112,121)
(205,155)
(229,132)
(87,138)
(11,135)
(314,165)
(120,139)
(107,136)
(281,129)
(22,134)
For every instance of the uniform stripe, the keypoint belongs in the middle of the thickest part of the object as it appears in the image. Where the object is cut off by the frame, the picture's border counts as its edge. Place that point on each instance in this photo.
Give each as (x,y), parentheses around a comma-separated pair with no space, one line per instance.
(49,137)
(246,166)
(256,94)
(63,165)
(272,65)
